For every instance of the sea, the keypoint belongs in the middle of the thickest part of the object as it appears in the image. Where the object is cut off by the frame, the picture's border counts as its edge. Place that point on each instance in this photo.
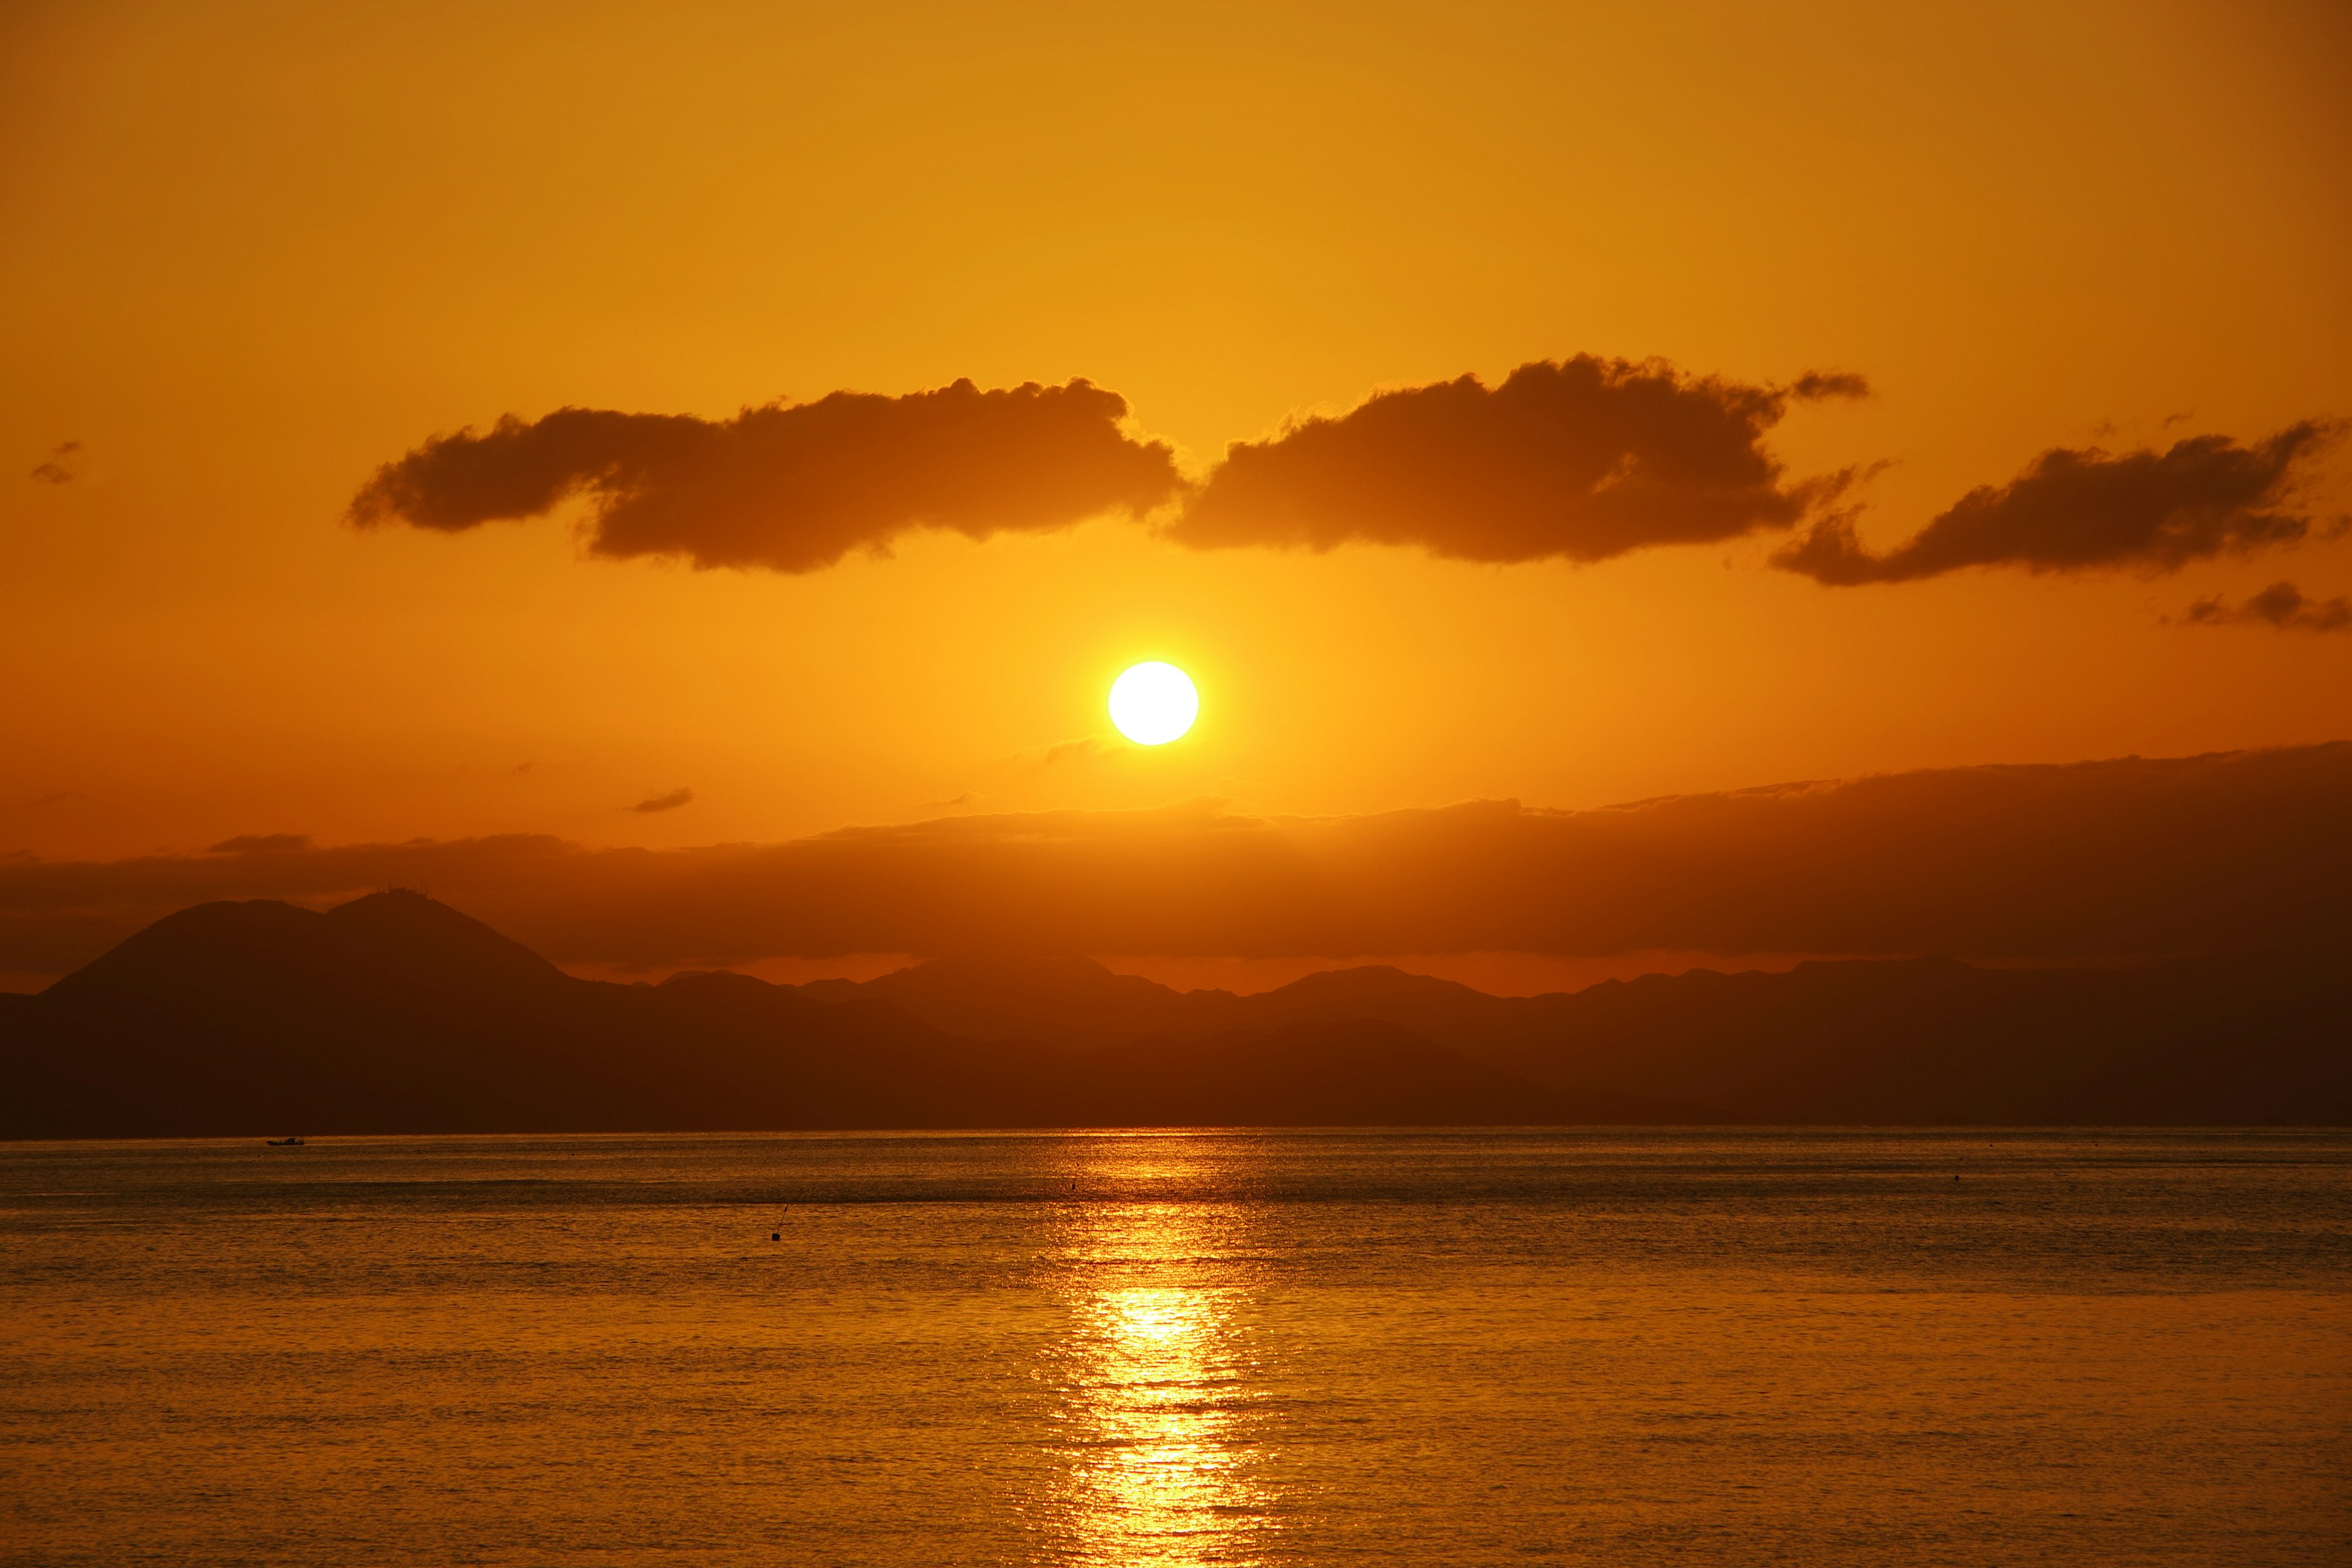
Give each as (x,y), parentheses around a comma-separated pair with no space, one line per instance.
(1613,1348)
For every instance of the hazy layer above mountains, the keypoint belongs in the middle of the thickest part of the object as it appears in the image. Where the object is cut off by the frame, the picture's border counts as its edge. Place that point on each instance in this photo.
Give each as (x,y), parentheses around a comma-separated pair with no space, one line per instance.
(397,1014)
(2074,864)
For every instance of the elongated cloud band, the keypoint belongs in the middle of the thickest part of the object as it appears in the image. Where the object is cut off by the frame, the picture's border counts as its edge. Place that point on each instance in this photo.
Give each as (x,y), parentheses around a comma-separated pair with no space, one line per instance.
(2075,510)
(791,487)
(2237,850)
(1580,461)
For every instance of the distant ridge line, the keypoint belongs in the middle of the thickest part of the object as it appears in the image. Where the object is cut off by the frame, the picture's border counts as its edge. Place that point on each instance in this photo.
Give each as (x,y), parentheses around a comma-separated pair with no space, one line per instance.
(395,1013)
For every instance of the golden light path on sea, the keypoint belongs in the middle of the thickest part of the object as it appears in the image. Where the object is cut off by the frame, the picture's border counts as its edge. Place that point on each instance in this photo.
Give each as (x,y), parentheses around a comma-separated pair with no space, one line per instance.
(1159,1388)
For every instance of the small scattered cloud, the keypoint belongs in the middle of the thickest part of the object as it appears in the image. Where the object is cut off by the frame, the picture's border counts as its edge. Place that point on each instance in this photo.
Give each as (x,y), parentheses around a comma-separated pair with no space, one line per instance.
(1580,460)
(670,802)
(791,487)
(1815,385)
(2081,509)
(54,797)
(1054,753)
(1078,750)
(57,469)
(262,844)
(2281,604)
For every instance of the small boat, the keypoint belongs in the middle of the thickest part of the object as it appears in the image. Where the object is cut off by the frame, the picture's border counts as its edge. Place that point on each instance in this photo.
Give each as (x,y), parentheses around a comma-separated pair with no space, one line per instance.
(283,1142)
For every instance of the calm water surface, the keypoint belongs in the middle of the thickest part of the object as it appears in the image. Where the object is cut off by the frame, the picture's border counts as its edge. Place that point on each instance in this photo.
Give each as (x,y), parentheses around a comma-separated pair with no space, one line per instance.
(1425,1348)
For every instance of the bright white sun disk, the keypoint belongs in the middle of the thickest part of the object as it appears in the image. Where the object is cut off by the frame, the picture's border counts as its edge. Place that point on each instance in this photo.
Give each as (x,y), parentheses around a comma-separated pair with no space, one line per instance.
(1153,704)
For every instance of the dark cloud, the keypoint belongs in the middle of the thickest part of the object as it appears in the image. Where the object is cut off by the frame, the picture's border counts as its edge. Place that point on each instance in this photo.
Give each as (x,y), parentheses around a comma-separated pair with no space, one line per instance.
(670,802)
(2237,850)
(1820,384)
(1581,459)
(58,468)
(2281,604)
(795,487)
(1584,461)
(2073,510)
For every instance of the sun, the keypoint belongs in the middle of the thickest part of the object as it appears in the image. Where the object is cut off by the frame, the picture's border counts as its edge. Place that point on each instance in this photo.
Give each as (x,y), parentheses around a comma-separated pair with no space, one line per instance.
(1152,704)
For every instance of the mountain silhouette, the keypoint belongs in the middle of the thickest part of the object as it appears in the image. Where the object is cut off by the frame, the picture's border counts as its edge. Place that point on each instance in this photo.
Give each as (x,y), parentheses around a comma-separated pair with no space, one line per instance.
(2222,1040)
(397,1013)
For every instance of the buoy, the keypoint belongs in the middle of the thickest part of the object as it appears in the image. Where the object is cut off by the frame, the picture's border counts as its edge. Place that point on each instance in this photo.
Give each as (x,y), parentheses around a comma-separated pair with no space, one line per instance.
(775,1235)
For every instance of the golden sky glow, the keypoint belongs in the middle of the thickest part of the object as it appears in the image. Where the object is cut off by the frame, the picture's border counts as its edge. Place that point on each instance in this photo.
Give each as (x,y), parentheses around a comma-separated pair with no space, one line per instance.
(254,251)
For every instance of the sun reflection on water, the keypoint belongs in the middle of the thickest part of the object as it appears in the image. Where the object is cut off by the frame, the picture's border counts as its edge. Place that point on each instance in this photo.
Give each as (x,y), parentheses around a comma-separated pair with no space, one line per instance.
(1160,1390)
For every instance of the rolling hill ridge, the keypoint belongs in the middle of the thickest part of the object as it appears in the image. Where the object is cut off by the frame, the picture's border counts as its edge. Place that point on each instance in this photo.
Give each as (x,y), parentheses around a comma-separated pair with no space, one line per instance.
(397,1013)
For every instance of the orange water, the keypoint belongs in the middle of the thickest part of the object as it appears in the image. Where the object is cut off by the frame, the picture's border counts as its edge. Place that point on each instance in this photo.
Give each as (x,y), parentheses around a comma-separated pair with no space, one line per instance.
(1192,1348)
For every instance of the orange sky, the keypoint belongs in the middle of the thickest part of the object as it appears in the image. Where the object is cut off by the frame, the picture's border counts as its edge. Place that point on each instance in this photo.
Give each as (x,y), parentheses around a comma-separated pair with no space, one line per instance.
(248,252)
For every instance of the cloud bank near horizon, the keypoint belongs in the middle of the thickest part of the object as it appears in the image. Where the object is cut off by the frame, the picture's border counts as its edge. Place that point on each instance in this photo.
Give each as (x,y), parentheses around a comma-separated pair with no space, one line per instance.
(792,488)
(2247,849)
